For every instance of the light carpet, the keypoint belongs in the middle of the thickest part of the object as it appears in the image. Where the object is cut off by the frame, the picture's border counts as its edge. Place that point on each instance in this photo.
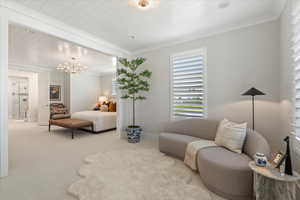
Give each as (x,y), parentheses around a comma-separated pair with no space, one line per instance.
(43,165)
(136,174)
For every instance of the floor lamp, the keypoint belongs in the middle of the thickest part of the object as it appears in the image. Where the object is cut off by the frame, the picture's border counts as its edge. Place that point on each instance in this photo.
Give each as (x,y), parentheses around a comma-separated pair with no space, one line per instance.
(253,92)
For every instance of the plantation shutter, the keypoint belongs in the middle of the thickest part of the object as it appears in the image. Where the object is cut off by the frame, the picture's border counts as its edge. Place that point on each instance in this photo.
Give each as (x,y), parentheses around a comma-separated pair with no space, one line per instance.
(296,58)
(114,87)
(188,85)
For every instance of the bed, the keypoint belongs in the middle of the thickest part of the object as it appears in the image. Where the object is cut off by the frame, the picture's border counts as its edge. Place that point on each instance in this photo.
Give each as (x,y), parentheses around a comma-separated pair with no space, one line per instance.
(102,121)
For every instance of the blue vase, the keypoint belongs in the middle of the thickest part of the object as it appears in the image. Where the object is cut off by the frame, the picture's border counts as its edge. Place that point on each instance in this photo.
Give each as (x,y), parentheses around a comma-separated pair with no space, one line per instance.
(134,134)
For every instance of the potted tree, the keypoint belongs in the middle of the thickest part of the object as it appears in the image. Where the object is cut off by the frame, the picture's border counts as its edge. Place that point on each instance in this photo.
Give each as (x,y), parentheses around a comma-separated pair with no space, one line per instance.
(133,81)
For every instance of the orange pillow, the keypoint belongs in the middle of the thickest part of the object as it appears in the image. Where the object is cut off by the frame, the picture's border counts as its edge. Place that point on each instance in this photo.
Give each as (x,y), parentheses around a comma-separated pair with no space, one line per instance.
(112,107)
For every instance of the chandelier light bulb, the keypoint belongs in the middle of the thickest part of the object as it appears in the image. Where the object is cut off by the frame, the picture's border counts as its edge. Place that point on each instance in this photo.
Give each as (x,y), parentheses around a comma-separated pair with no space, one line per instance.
(72,67)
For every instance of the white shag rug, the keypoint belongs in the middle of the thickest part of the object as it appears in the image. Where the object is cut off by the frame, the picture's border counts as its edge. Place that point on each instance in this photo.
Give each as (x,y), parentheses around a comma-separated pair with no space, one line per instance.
(141,174)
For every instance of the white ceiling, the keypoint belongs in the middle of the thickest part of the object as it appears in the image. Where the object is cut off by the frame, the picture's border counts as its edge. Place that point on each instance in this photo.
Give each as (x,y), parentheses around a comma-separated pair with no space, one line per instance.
(170,21)
(32,48)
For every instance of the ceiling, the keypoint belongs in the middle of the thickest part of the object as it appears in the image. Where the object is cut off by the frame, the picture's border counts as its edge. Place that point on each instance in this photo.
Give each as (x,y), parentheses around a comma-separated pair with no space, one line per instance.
(170,21)
(28,47)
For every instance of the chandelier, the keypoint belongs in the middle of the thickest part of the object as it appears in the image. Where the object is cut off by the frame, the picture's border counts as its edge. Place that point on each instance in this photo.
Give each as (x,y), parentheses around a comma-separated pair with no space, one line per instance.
(72,67)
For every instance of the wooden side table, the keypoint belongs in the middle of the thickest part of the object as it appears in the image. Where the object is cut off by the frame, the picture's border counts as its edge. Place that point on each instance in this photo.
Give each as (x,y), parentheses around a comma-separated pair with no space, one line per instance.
(270,184)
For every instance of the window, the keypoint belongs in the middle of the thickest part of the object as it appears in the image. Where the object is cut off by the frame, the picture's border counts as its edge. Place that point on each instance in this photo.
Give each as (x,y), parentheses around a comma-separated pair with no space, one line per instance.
(188,74)
(296,59)
(114,87)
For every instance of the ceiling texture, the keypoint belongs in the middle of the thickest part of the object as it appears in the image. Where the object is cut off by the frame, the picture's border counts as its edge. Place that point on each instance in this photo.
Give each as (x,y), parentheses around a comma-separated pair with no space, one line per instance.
(32,48)
(125,25)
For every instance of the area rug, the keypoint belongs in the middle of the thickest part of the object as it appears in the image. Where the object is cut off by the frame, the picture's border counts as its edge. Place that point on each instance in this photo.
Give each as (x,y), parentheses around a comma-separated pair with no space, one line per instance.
(138,174)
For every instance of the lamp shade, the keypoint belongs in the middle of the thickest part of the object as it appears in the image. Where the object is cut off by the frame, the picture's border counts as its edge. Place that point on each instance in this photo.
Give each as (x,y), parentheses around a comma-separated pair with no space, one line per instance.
(253,92)
(102,99)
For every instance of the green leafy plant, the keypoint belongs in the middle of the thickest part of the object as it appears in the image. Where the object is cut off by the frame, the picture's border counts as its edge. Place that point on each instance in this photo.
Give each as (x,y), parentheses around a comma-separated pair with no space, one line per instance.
(132,81)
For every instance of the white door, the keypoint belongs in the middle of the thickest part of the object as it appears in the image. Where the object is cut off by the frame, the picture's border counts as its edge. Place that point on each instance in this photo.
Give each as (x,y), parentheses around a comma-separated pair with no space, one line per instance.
(44,104)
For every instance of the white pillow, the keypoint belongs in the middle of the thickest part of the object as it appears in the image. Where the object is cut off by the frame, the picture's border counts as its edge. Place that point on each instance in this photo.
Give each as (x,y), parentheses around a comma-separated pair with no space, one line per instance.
(104,108)
(231,135)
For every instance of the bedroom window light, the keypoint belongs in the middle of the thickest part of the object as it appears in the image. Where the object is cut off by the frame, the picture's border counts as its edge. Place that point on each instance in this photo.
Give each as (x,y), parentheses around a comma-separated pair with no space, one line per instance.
(296,60)
(114,87)
(188,85)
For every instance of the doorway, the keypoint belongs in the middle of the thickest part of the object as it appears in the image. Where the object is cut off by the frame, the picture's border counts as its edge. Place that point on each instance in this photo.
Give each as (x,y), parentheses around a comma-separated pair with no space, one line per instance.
(9,14)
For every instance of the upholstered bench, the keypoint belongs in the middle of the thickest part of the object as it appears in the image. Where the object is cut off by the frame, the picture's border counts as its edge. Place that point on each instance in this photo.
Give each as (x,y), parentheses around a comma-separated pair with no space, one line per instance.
(70,123)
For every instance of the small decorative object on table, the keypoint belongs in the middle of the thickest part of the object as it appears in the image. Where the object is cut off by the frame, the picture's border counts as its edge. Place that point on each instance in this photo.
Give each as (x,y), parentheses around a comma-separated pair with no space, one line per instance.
(260,159)
(288,161)
(269,184)
(277,160)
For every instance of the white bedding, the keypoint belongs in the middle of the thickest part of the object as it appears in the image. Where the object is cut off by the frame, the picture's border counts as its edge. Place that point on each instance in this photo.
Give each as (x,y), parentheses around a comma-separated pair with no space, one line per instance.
(101,120)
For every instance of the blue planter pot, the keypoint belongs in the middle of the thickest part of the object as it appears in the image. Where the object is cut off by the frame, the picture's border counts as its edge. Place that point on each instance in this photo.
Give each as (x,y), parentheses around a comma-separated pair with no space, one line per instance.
(134,134)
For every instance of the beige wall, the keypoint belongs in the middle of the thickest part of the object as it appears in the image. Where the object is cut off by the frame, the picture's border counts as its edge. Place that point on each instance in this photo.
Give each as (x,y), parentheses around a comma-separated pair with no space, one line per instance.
(84,91)
(237,60)
(106,84)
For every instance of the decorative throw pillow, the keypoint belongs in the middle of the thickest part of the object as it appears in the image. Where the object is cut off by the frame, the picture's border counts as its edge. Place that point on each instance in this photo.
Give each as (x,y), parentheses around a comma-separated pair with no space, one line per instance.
(104,108)
(112,107)
(231,135)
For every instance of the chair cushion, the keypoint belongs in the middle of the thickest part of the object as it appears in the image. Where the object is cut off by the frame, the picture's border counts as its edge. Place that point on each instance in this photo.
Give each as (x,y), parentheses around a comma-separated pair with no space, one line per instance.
(225,172)
(175,144)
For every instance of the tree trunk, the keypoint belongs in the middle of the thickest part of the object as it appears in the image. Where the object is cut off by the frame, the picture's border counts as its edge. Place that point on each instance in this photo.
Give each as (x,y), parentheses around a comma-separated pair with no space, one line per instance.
(133,111)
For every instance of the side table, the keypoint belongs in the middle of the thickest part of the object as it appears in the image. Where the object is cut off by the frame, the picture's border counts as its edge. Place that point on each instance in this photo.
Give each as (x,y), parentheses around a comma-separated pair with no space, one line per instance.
(270,184)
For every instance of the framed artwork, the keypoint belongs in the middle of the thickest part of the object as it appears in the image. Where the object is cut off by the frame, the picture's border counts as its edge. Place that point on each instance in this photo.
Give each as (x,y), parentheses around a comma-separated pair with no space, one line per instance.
(278,159)
(55,93)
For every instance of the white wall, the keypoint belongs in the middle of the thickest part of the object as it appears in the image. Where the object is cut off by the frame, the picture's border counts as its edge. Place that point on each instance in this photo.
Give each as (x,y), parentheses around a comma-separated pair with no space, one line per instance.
(33,92)
(106,84)
(237,60)
(84,91)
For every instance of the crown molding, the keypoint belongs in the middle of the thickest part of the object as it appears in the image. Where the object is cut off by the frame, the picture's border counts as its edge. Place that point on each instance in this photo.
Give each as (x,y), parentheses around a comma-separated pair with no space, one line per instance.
(40,68)
(19,14)
(201,36)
